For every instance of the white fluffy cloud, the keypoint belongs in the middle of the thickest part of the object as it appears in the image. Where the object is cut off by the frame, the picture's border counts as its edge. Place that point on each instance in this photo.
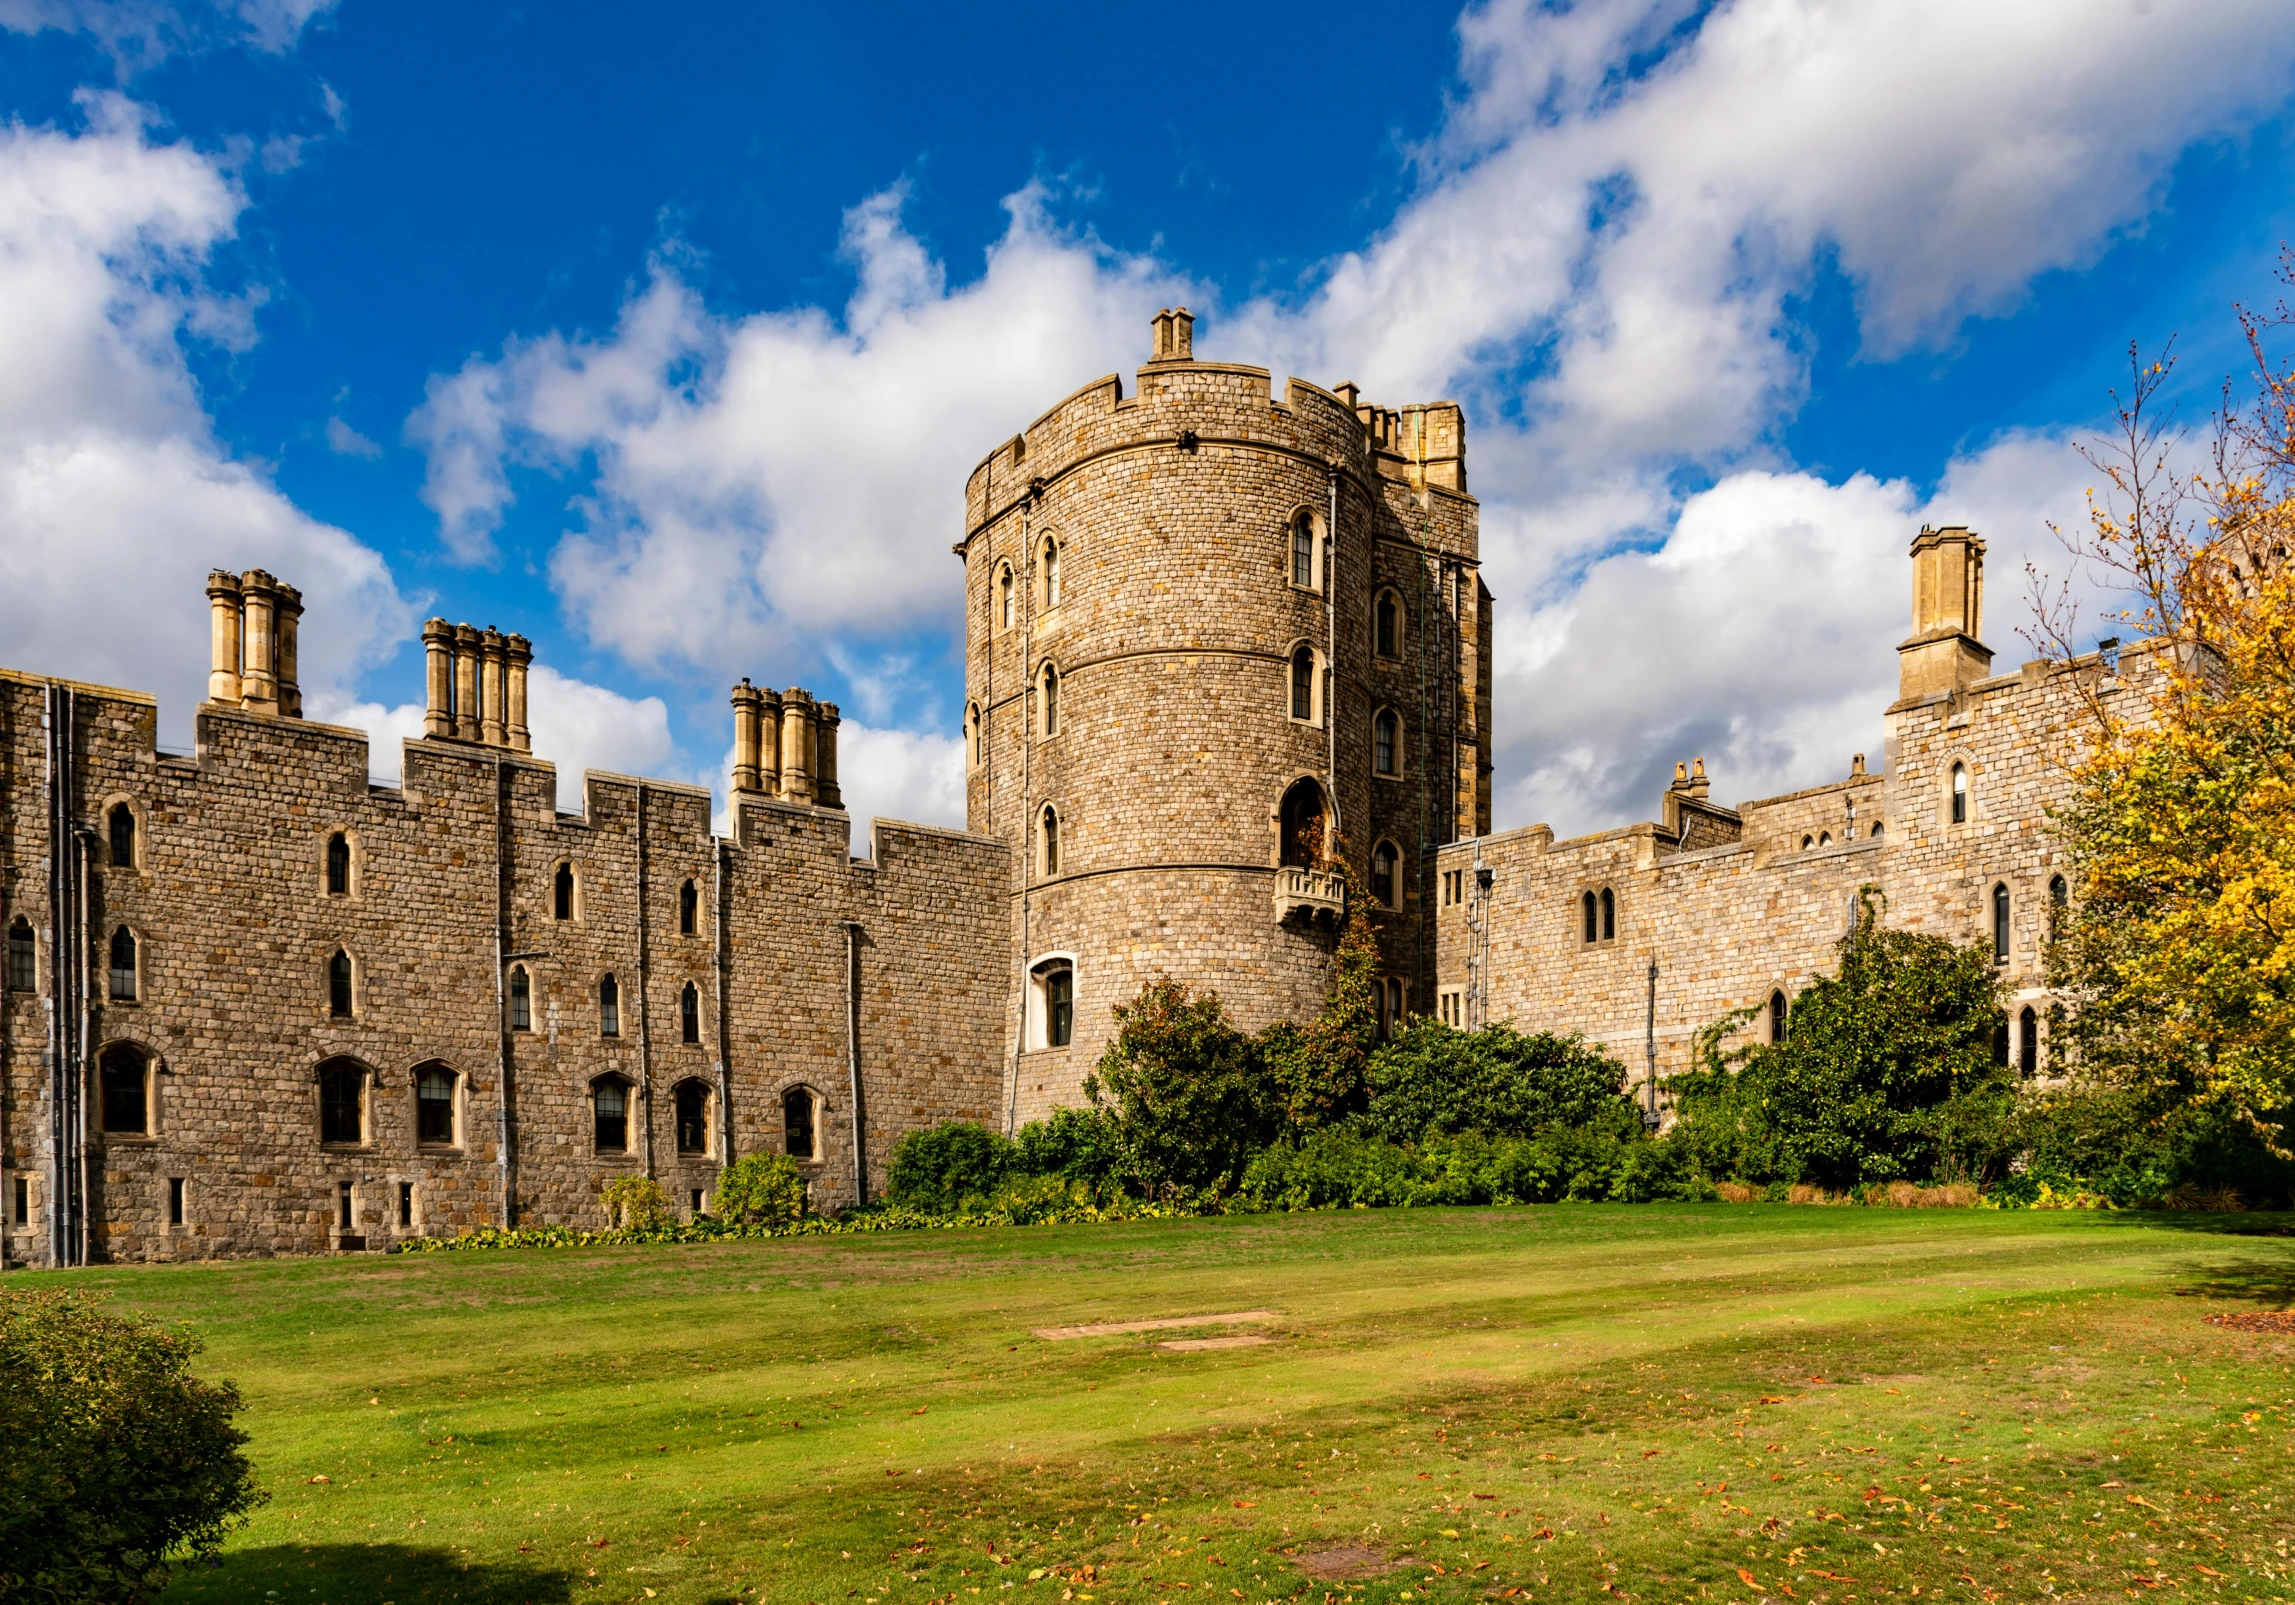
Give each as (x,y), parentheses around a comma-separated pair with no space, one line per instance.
(115,498)
(138,33)
(1600,259)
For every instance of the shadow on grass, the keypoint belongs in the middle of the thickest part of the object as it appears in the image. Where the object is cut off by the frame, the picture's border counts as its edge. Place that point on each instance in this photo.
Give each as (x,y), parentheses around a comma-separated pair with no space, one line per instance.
(2270,1283)
(367,1574)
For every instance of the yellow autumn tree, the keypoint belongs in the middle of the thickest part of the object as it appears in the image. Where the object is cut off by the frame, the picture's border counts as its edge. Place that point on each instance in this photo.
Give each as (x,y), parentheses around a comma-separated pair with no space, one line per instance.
(2177,956)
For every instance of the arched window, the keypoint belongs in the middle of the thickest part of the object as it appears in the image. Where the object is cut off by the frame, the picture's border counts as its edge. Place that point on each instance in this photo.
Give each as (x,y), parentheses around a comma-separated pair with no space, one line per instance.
(434,1105)
(342,1101)
(339,985)
(1824,838)
(1051,688)
(1386,742)
(124,1077)
(2000,923)
(521,999)
(689,1013)
(800,1134)
(1051,564)
(609,1007)
(610,1115)
(1876,829)
(2028,1042)
(2059,891)
(1591,908)
(1609,915)
(1303,683)
(123,835)
(562,892)
(1303,551)
(338,865)
(1300,822)
(692,1117)
(123,977)
(975,749)
(1048,840)
(688,909)
(1777,1012)
(1005,590)
(23,956)
(1960,794)
(1386,625)
(1052,1007)
(1385,864)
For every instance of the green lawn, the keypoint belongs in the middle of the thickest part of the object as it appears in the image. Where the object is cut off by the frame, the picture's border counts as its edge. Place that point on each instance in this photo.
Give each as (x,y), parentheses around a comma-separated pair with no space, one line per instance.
(1653,1403)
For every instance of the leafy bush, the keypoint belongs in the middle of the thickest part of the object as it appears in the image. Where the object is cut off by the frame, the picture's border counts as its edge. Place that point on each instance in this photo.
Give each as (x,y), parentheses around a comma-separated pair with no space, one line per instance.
(935,1170)
(634,1201)
(119,1460)
(1187,1085)
(1433,1079)
(1342,1168)
(1320,1072)
(1084,1145)
(761,1188)
(1887,1073)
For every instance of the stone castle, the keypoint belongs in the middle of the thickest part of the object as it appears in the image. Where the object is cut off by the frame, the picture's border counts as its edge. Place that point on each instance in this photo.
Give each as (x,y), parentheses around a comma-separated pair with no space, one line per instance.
(257,1004)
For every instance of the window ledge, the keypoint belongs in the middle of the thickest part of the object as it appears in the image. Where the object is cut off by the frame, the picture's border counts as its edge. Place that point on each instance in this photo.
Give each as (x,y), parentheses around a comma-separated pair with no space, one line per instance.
(129,1139)
(440,1150)
(346,1147)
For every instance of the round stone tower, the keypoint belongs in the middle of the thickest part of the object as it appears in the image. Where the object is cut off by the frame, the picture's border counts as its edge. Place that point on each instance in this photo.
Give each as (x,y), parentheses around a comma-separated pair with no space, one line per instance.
(1214,641)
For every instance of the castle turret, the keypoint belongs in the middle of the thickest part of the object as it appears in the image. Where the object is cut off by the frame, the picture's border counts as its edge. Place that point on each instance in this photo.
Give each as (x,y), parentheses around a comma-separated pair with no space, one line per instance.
(1943,653)
(1217,641)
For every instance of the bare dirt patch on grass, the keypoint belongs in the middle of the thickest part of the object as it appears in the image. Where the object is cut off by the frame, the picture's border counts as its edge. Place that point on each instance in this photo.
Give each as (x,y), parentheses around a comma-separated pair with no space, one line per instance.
(1060,1334)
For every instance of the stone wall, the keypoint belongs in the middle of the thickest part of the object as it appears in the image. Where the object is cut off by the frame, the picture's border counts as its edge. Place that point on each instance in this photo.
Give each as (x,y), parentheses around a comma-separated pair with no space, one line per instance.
(451,893)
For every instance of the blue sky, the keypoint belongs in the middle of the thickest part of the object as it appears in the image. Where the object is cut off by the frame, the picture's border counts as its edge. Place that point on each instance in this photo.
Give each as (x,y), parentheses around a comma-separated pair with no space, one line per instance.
(668,336)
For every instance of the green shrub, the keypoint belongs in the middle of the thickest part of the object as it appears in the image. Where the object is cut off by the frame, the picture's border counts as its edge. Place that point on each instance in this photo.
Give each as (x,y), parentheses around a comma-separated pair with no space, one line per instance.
(1187,1086)
(1887,1073)
(935,1170)
(1086,1145)
(119,1461)
(761,1189)
(1434,1079)
(1343,1168)
(634,1202)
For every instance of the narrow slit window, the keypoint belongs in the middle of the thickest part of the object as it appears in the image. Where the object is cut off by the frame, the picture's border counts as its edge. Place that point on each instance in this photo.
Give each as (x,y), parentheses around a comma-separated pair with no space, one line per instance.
(1051,841)
(344,1207)
(609,1007)
(562,892)
(434,1105)
(798,1124)
(1777,1014)
(122,823)
(406,1204)
(338,865)
(689,1013)
(1051,575)
(1591,908)
(2028,1043)
(521,999)
(2000,929)
(175,1200)
(1386,743)
(688,909)
(339,985)
(1051,700)
(2059,891)
(1960,794)
(1303,552)
(1004,589)
(610,1131)
(1387,626)
(342,1102)
(1609,915)
(692,1118)
(1303,683)
(123,956)
(23,956)
(1384,864)
(124,1079)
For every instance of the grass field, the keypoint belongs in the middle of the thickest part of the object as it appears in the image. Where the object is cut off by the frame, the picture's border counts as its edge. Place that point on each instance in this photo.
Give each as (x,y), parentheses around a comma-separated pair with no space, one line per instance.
(1645,1403)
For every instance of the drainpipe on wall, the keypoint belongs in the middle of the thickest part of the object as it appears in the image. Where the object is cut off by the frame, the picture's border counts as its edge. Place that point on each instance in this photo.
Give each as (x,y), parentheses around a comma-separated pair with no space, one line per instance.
(644,987)
(67,984)
(1649,1047)
(717,960)
(1331,663)
(853,1060)
(505,1167)
(1027,573)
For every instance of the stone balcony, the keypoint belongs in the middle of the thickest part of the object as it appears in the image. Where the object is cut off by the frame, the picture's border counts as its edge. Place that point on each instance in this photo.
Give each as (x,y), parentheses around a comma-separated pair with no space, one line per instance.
(1312,894)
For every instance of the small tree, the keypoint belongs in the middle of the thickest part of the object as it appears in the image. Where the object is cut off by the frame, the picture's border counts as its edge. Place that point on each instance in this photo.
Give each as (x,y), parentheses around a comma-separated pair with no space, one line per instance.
(1187,1086)
(1432,1079)
(761,1189)
(1318,1071)
(1888,1071)
(634,1202)
(119,1461)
